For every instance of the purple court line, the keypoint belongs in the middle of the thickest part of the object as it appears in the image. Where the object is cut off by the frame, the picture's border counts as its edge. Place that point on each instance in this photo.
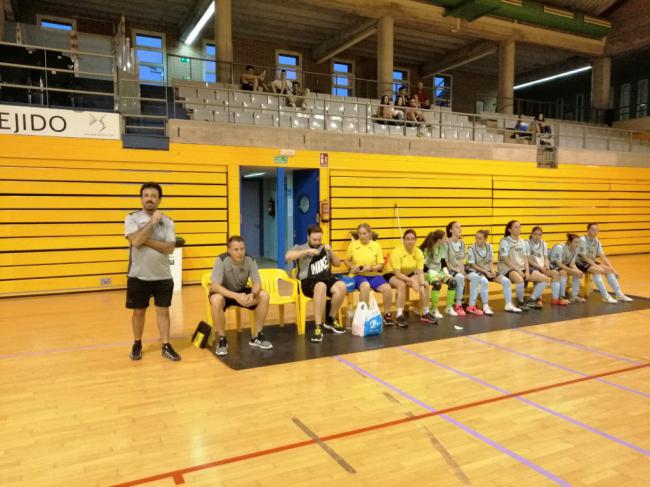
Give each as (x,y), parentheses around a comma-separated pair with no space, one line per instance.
(569,419)
(38,353)
(580,346)
(561,367)
(451,420)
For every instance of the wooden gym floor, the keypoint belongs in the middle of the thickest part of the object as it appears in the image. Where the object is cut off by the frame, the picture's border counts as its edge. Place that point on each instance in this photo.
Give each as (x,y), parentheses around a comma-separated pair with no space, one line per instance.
(563,403)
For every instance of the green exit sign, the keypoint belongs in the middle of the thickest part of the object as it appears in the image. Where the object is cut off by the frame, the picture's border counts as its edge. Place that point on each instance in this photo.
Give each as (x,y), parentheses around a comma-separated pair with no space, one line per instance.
(281,159)
(185,60)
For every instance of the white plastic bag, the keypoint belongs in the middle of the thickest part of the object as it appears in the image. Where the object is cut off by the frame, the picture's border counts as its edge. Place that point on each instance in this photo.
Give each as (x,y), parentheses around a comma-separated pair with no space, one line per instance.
(359,318)
(367,319)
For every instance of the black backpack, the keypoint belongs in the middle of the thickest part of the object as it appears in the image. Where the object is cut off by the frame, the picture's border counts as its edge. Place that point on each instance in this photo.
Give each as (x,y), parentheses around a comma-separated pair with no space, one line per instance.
(201,335)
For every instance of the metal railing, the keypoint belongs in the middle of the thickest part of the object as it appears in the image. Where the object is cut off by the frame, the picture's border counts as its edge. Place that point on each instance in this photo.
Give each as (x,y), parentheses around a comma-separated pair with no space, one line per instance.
(146,106)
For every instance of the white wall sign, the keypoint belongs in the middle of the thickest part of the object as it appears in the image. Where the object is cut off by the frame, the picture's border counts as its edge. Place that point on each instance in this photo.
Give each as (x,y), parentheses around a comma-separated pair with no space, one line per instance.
(27,120)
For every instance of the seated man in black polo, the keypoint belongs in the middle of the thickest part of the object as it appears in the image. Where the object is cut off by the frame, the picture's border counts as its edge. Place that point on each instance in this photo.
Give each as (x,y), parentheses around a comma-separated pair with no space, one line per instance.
(230,276)
(315,262)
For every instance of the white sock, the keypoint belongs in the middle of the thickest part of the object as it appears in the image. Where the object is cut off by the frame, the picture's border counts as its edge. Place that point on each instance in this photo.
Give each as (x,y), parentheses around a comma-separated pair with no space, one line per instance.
(575,287)
(555,289)
(519,287)
(507,290)
(484,290)
(563,285)
(537,291)
(598,279)
(400,311)
(611,279)
(425,310)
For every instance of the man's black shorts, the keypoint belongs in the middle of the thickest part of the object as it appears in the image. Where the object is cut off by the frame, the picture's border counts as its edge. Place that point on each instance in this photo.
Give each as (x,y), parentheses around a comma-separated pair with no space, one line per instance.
(583,266)
(138,293)
(233,302)
(307,286)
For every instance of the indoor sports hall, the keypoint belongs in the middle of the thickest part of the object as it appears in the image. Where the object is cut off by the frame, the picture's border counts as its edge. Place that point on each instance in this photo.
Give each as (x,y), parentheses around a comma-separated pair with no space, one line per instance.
(273,243)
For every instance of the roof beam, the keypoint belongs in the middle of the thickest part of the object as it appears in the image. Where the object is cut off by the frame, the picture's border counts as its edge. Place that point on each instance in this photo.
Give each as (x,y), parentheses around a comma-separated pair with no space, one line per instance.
(490,28)
(344,40)
(457,58)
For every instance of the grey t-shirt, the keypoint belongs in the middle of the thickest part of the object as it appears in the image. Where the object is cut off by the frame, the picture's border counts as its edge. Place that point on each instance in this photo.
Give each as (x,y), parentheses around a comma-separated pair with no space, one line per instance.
(516,251)
(590,248)
(537,251)
(146,263)
(562,253)
(480,256)
(234,276)
(456,254)
(320,264)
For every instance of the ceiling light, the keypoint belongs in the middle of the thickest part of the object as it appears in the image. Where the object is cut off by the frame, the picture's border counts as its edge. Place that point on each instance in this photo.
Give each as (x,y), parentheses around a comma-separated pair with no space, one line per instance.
(254,174)
(200,24)
(556,76)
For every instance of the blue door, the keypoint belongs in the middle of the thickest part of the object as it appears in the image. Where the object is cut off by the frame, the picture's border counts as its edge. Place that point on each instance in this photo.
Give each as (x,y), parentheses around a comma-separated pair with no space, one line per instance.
(305,202)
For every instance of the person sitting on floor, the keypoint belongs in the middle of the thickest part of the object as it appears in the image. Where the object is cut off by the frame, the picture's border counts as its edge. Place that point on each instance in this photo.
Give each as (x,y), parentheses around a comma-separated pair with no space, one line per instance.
(230,276)
(315,261)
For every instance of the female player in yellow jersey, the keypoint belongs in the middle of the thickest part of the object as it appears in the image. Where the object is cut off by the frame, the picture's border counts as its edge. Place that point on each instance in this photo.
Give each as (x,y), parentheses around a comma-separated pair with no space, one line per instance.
(404,270)
(365,259)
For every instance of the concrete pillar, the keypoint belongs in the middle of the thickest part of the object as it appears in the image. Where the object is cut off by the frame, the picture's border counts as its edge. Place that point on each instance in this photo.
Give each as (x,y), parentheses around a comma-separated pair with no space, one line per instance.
(385,27)
(505,101)
(226,73)
(601,75)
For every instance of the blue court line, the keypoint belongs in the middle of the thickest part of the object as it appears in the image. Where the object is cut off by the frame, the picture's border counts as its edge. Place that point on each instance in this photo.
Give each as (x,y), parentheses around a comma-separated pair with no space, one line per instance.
(465,428)
(615,439)
(579,346)
(561,367)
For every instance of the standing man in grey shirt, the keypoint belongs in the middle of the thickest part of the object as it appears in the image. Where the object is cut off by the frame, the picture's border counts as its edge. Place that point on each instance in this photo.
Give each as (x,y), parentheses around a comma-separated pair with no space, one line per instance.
(152,238)
(230,276)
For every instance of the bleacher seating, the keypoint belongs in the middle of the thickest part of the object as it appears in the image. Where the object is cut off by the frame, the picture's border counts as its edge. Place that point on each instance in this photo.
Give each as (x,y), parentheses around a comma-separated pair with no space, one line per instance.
(225,103)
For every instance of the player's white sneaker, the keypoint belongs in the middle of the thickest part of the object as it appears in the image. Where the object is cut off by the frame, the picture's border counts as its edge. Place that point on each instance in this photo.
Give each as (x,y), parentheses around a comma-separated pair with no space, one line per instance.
(511,308)
(487,310)
(609,300)
(450,311)
(437,314)
(623,297)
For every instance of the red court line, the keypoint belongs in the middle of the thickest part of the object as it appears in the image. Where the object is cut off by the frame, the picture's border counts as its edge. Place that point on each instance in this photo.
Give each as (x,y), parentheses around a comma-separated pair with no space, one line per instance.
(177,475)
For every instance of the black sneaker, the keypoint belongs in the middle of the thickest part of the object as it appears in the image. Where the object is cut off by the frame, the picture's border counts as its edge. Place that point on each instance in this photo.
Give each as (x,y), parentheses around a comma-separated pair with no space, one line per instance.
(333,324)
(533,304)
(317,335)
(222,347)
(429,319)
(388,320)
(169,353)
(401,321)
(136,351)
(523,306)
(260,342)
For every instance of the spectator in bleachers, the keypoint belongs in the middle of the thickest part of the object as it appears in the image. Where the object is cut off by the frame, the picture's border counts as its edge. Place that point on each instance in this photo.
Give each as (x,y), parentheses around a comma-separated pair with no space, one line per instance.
(281,85)
(299,98)
(541,125)
(413,112)
(401,107)
(522,130)
(385,111)
(251,81)
(422,98)
(401,99)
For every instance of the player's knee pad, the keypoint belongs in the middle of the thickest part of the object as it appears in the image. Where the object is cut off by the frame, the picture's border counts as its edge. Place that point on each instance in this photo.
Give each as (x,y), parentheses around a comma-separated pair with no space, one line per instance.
(452,284)
(437,285)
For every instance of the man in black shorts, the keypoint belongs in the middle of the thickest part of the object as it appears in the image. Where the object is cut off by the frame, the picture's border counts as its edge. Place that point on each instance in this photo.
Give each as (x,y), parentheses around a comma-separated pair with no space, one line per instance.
(315,262)
(230,276)
(152,238)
